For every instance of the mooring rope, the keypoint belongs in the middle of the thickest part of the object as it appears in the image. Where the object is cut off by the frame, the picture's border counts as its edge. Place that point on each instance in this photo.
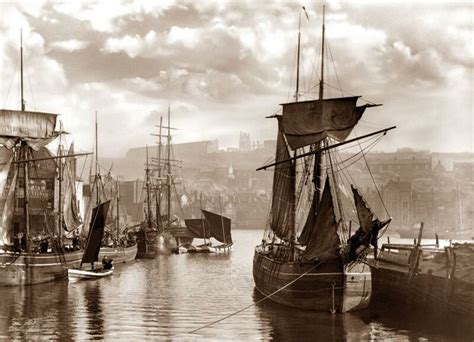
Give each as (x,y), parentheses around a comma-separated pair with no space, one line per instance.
(257,302)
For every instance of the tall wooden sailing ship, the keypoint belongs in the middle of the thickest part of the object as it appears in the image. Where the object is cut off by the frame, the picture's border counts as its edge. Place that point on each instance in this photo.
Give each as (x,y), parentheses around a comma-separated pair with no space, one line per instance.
(39,217)
(310,259)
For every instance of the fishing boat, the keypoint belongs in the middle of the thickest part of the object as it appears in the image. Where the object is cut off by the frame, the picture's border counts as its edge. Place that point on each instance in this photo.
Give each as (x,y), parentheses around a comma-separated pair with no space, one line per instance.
(39,217)
(310,257)
(91,253)
(210,225)
(427,278)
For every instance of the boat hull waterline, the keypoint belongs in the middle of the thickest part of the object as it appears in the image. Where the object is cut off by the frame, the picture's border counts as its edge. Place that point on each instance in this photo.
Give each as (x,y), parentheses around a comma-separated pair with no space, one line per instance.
(330,286)
(119,254)
(75,274)
(18,269)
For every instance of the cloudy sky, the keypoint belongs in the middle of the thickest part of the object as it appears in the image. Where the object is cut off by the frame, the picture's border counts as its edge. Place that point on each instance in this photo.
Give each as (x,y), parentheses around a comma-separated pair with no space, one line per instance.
(223,66)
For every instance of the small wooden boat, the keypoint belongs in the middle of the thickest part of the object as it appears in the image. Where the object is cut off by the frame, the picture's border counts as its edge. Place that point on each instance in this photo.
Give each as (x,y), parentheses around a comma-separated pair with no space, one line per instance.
(76,274)
(91,253)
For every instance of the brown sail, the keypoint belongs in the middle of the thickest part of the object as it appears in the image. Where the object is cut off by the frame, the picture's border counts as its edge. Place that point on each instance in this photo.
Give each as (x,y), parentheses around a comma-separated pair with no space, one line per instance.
(364,213)
(198,227)
(96,232)
(323,241)
(219,226)
(283,199)
(309,122)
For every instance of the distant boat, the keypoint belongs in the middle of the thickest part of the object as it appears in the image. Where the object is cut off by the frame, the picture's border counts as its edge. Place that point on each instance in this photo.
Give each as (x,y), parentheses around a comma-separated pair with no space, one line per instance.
(211,225)
(91,253)
(37,199)
(321,267)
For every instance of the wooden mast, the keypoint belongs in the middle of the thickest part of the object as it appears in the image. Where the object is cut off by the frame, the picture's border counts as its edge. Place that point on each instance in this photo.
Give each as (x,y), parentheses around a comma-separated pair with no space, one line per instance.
(169,167)
(97,176)
(148,204)
(118,212)
(298,60)
(60,186)
(318,159)
(23,155)
(159,188)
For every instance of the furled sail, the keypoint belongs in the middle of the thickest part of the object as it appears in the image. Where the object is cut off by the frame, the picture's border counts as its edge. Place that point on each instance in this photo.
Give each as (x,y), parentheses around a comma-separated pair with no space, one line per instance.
(96,232)
(7,191)
(25,124)
(283,196)
(198,227)
(308,122)
(70,208)
(323,241)
(219,226)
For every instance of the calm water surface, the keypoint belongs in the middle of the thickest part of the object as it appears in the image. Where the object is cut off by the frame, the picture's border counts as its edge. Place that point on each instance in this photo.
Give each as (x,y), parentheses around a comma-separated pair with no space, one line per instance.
(174,294)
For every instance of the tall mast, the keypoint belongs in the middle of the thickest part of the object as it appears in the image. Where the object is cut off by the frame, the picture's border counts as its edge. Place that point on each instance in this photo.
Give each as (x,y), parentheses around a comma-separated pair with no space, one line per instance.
(158,190)
(21,71)
(97,177)
(169,165)
(118,209)
(298,61)
(23,154)
(317,157)
(321,82)
(148,204)
(60,186)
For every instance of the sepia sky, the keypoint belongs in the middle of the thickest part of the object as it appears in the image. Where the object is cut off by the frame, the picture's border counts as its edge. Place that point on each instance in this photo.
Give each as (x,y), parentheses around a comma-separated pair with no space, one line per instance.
(223,66)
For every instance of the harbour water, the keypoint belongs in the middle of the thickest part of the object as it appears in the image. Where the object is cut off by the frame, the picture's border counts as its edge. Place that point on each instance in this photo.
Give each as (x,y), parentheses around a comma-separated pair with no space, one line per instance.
(175,294)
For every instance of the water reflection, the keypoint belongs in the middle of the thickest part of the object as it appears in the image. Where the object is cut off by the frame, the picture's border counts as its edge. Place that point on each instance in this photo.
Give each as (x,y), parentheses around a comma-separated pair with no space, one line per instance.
(93,305)
(288,324)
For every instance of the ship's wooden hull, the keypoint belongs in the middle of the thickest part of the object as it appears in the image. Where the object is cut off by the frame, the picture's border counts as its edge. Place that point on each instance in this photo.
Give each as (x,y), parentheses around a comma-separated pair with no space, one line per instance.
(35,268)
(146,244)
(329,286)
(119,254)
(426,292)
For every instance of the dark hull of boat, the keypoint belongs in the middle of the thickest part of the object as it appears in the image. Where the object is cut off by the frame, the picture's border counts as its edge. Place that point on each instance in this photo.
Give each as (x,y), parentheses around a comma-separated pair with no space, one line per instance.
(424,292)
(28,268)
(146,244)
(119,254)
(329,286)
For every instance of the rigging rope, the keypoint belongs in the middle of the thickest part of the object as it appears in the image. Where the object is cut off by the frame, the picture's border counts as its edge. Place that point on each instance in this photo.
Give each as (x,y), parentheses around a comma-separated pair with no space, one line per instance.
(257,302)
(9,87)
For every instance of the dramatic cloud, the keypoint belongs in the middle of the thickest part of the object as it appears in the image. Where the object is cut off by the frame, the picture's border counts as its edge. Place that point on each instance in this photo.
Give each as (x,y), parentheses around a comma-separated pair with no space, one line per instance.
(224,66)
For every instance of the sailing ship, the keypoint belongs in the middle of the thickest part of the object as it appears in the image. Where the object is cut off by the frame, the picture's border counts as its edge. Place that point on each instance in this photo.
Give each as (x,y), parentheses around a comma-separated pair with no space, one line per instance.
(91,253)
(122,249)
(149,229)
(39,215)
(318,265)
(428,278)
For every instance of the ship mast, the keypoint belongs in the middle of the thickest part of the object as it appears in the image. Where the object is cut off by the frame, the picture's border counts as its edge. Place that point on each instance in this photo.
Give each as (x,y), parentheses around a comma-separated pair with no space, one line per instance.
(159,188)
(23,154)
(318,159)
(298,60)
(148,204)
(97,176)
(169,166)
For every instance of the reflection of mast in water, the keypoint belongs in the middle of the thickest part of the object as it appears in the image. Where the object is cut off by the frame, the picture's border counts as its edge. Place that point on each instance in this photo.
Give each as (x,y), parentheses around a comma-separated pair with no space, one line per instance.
(43,308)
(93,302)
